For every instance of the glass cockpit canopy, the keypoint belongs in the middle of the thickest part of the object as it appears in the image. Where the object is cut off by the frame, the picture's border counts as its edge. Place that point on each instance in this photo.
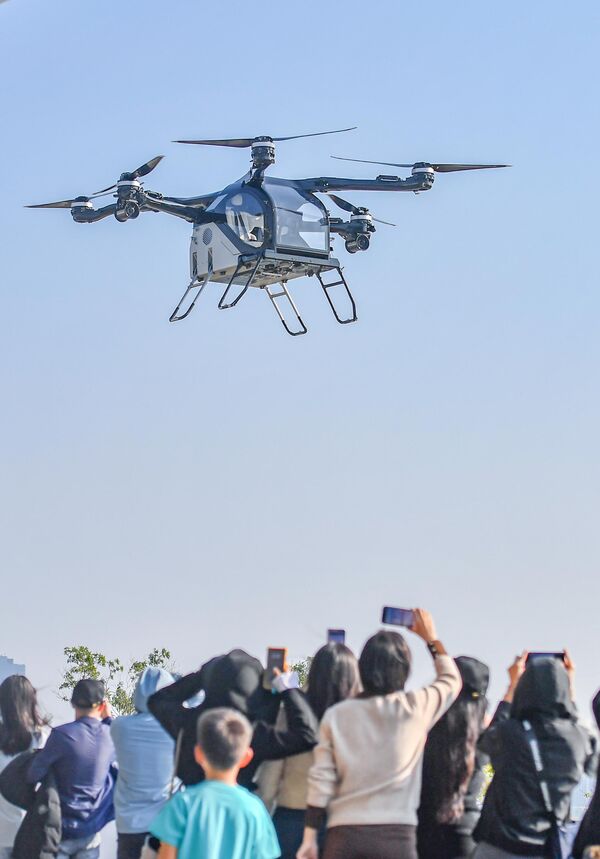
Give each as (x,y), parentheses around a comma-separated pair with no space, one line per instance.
(244,214)
(301,221)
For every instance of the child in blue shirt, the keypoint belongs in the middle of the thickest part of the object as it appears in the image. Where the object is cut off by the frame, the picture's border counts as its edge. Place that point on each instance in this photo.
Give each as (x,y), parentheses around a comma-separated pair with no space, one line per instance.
(218,819)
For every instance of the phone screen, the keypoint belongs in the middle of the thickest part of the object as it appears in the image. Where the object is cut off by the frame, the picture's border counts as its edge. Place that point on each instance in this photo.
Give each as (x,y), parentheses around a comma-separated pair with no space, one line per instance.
(538,654)
(276,658)
(336,636)
(398,616)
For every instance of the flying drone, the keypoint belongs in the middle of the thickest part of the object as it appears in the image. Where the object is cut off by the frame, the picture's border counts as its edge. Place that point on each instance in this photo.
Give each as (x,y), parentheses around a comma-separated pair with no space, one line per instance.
(263,231)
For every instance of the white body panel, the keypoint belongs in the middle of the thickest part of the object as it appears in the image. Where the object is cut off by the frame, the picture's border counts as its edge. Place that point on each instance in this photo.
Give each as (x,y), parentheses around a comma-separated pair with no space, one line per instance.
(208,240)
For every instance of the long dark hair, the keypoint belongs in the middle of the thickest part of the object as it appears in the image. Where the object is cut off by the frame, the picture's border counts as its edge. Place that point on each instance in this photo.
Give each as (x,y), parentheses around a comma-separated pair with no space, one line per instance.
(333,677)
(449,759)
(19,713)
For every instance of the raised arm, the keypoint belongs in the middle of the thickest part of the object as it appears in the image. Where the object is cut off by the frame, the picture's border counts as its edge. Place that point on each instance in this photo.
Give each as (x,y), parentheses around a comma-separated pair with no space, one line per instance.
(166,705)
(299,734)
(436,698)
(490,741)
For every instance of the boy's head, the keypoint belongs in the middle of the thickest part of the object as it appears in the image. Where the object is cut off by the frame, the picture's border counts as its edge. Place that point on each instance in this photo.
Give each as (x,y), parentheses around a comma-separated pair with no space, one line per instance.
(223,740)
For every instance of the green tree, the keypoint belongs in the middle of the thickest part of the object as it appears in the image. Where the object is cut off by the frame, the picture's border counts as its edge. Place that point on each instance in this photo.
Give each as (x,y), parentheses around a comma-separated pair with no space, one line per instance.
(302,666)
(81,662)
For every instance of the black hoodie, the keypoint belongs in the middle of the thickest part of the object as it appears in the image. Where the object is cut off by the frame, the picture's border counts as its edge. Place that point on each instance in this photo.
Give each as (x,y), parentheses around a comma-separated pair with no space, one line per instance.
(235,680)
(589,830)
(514,817)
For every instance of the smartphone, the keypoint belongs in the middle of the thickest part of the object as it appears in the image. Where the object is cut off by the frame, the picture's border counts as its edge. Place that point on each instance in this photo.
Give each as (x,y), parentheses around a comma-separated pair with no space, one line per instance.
(543,655)
(276,658)
(336,636)
(398,616)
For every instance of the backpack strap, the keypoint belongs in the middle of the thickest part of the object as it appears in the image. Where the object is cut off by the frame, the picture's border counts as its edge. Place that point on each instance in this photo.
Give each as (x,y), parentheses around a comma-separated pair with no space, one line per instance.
(539,766)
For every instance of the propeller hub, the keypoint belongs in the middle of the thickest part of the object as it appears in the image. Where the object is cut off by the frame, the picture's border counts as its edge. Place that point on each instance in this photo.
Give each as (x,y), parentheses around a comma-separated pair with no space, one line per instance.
(82,204)
(263,153)
(420,168)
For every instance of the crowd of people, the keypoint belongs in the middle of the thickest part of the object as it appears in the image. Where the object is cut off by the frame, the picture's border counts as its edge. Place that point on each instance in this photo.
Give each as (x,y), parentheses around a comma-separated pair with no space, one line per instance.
(353,766)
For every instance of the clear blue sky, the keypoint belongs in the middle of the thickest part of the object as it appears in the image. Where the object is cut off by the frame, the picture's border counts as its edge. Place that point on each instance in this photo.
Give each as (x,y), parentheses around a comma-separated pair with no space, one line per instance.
(217,483)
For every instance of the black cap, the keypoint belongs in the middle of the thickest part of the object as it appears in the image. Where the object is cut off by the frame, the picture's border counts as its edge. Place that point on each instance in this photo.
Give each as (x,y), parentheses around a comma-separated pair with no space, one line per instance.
(88,694)
(475,676)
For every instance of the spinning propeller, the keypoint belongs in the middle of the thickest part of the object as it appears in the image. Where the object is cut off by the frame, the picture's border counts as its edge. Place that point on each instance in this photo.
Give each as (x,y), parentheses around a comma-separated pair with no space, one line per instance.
(126,178)
(263,147)
(357,211)
(143,170)
(244,142)
(66,204)
(425,166)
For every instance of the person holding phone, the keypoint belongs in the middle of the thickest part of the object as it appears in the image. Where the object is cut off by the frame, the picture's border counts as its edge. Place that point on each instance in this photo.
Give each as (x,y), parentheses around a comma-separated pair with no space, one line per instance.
(366,777)
(539,700)
(283,785)
(236,680)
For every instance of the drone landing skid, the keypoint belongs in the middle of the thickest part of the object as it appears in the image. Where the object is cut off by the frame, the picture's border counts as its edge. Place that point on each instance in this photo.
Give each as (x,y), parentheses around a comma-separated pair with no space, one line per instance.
(298,326)
(191,296)
(195,288)
(243,285)
(336,307)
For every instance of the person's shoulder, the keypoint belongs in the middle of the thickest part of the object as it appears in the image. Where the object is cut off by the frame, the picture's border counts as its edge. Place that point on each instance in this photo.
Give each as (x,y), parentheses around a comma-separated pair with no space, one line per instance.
(252,803)
(120,723)
(64,730)
(343,708)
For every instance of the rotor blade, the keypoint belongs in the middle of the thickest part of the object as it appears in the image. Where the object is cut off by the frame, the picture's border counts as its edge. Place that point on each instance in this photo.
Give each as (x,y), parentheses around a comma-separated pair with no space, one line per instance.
(455,168)
(439,168)
(343,204)
(239,142)
(61,204)
(316,133)
(146,168)
(243,142)
(365,161)
(387,223)
(105,190)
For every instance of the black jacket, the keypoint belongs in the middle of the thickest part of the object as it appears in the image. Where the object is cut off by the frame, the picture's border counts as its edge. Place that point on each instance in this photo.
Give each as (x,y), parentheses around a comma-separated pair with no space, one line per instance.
(41,829)
(514,817)
(589,829)
(235,680)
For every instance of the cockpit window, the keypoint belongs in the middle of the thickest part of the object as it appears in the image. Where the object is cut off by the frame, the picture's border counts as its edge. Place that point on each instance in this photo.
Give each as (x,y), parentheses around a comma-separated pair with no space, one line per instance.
(243,214)
(300,221)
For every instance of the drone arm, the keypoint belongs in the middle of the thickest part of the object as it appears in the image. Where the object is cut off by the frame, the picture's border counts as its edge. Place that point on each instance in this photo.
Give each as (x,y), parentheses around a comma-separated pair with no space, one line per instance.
(154,203)
(90,216)
(322,184)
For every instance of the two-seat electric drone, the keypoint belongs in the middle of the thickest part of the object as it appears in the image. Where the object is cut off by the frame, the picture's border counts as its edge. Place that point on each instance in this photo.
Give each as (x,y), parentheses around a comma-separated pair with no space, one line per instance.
(261,231)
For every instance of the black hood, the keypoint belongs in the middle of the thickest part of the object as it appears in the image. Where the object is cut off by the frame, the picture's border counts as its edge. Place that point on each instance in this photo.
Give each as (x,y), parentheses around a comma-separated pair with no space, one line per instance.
(234,680)
(475,676)
(544,690)
(596,708)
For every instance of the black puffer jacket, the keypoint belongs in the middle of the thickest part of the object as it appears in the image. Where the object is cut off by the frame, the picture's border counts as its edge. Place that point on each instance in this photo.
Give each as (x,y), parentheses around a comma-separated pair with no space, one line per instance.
(589,830)
(235,680)
(41,830)
(514,818)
